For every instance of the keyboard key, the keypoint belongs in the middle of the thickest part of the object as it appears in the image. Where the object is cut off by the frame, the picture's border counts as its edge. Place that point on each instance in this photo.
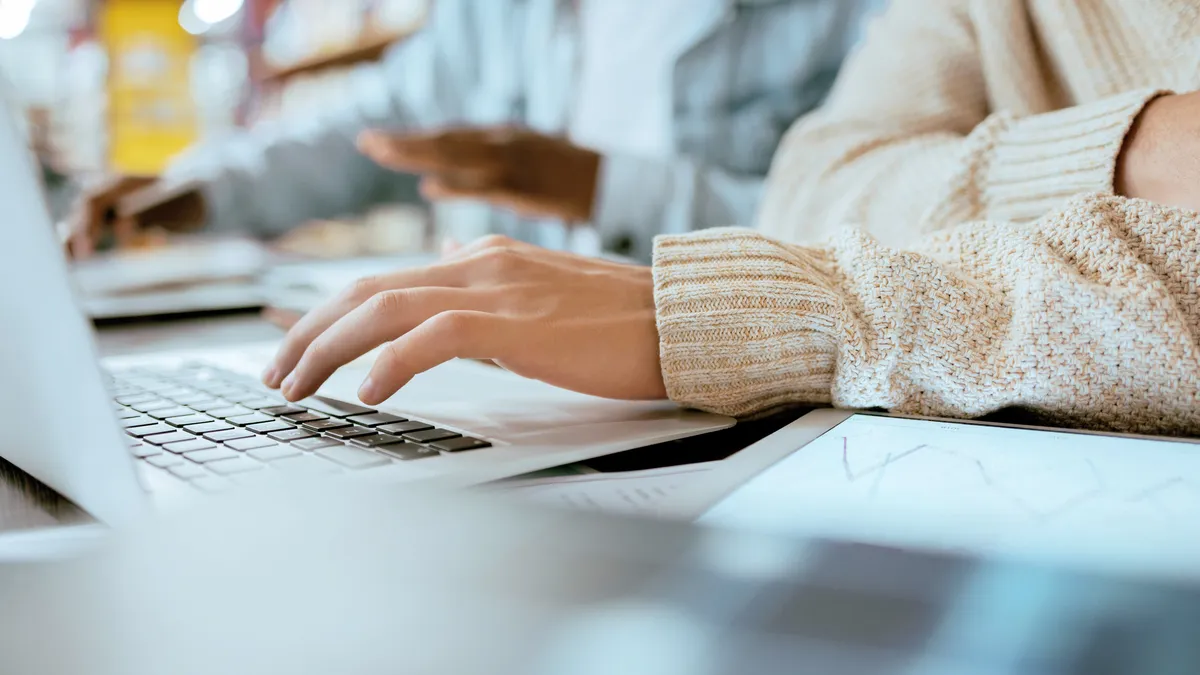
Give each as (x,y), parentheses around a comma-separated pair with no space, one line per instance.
(405,428)
(326,425)
(350,432)
(210,404)
(301,418)
(460,444)
(189,420)
(307,465)
(353,458)
(151,430)
(192,398)
(137,398)
(188,471)
(212,484)
(333,407)
(189,446)
(274,453)
(430,436)
(214,455)
(166,439)
(228,435)
(139,421)
(407,452)
(127,414)
(375,420)
(209,427)
(277,409)
(310,444)
(230,467)
(175,392)
(165,461)
(375,440)
(233,413)
(270,427)
(248,420)
(250,443)
(243,397)
(177,411)
(225,391)
(142,451)
(290,435)
(150,406)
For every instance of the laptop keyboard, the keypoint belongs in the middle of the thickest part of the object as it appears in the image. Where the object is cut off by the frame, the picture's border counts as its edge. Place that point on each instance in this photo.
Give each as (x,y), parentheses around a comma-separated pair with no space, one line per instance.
(215,428)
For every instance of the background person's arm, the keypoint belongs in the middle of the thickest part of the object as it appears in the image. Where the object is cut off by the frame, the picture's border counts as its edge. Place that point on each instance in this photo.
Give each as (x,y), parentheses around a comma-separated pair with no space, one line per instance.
(1088,316)
(908,142)
(279,175)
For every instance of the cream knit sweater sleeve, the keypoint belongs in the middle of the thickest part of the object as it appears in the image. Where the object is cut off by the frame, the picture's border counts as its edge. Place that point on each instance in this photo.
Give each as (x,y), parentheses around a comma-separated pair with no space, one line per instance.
(1090,316)
(909,143)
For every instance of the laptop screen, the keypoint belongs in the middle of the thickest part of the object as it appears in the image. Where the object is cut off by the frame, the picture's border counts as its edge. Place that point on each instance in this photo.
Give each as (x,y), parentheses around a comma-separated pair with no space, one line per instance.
(982,489)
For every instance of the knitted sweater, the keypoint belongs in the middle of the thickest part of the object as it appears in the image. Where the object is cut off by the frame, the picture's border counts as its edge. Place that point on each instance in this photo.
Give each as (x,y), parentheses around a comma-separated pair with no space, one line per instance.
(1084,309)
(957,110)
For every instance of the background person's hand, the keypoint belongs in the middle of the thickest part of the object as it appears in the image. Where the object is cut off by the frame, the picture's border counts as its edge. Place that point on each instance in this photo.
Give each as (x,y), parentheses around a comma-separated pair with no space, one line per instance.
(523,171)
(123,207)
(1160,161)
(93,218)
(578,323)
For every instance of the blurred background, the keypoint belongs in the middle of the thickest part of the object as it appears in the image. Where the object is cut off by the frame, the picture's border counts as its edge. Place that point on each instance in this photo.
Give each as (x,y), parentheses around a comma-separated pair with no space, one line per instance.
(122,86)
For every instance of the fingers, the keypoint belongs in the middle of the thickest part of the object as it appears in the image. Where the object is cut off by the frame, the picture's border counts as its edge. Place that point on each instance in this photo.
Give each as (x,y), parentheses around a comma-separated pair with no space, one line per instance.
(446,336)
(92,211)
(475,154)
(319,320)
(384,317)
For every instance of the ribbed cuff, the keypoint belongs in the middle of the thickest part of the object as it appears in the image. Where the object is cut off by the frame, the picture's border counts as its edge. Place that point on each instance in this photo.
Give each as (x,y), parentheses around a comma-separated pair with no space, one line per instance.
(745,324)
(1040,161)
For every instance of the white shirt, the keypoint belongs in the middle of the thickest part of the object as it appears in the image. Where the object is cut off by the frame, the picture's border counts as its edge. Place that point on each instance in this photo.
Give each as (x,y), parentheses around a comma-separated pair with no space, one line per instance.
(625,88)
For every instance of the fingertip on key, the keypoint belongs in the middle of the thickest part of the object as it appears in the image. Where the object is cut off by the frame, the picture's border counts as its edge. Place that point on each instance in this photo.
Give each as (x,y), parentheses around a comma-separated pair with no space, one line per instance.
(288,388)
(369,392)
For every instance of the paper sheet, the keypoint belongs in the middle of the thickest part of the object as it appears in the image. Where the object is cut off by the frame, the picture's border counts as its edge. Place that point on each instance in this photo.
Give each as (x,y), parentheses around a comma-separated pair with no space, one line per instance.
(641,493)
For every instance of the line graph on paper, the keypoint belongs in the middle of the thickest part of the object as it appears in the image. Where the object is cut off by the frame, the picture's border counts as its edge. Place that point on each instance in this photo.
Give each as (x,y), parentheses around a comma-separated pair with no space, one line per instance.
(956,483)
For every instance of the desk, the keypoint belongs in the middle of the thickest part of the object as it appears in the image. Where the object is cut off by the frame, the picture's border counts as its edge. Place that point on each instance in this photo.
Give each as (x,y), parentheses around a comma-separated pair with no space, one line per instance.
(27,504)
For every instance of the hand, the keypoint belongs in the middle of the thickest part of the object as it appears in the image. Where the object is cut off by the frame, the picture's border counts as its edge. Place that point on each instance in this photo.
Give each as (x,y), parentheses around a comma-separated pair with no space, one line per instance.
(127,205)
(577,323)
(93,217)
(1160,161)
(523,171)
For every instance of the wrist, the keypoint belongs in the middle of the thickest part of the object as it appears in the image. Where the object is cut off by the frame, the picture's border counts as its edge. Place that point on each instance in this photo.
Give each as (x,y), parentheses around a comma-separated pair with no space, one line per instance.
(1158,160)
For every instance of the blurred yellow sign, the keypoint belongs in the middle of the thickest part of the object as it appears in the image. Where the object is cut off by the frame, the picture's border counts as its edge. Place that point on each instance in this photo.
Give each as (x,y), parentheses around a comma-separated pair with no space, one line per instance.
(152,115)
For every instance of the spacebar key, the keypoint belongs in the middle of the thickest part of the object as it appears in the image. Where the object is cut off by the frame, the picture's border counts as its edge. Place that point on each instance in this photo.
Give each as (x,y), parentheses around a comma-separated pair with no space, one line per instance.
(333,407)
(353,458)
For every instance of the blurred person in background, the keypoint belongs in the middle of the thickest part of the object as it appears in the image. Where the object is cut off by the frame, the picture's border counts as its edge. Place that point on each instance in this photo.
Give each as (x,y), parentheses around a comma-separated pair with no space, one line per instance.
(638,117)
(1049,146)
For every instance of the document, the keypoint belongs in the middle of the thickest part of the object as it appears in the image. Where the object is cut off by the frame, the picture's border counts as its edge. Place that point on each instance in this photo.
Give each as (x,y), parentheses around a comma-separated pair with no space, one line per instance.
(639,493)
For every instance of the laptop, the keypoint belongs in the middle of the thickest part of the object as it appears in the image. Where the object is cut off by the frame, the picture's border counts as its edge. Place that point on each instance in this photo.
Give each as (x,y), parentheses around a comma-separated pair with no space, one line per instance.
(155,429)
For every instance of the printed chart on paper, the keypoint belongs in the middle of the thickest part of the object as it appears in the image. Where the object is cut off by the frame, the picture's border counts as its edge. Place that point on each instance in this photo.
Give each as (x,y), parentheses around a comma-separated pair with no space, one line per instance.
(959,484)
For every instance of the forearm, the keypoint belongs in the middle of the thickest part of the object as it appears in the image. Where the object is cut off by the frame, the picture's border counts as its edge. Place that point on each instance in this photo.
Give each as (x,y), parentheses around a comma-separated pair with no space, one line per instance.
(899,180)
(267,186)
(1089,317)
